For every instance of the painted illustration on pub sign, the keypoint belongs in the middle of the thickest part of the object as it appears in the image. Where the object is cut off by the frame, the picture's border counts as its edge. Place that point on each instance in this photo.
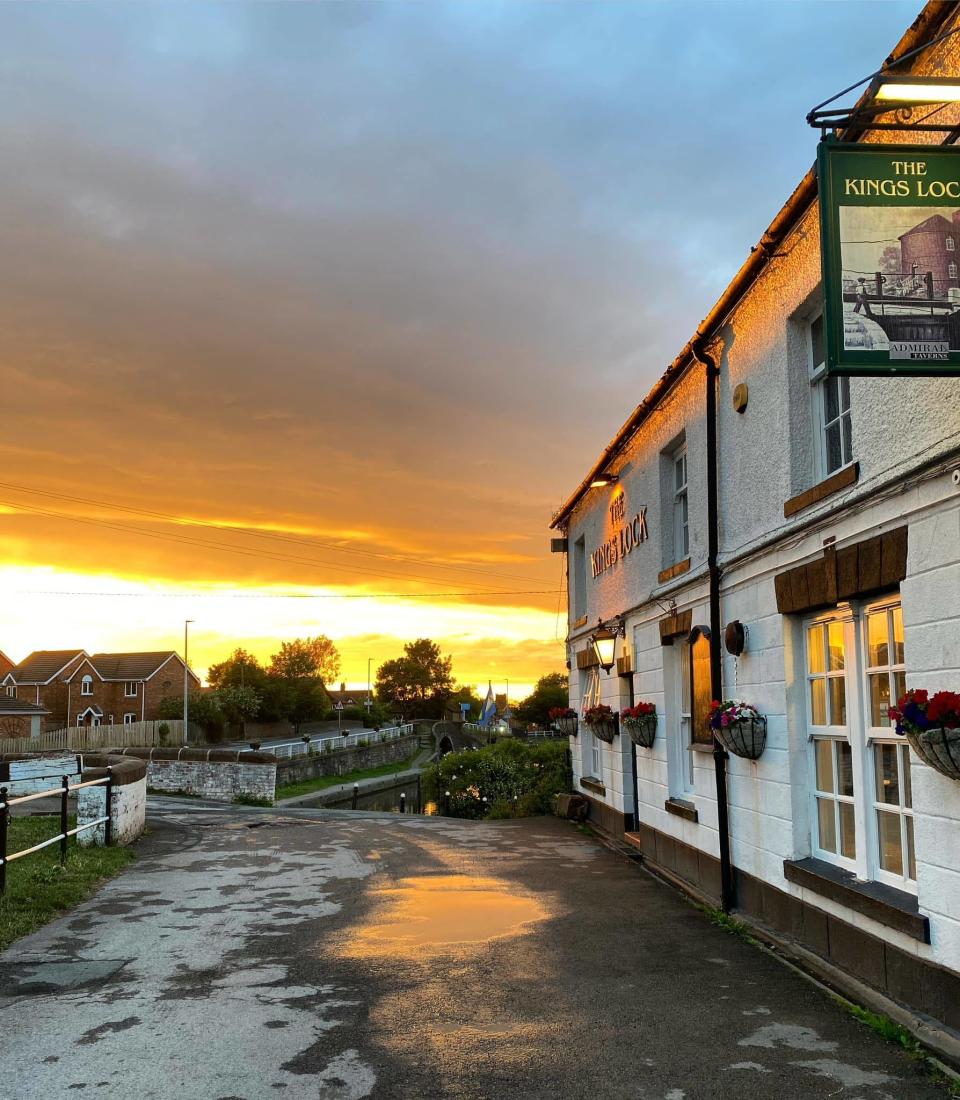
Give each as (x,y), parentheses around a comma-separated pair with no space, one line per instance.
(890,229)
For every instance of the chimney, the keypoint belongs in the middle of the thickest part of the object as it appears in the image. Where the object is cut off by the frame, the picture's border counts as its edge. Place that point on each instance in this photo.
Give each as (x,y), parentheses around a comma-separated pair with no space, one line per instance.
(343,686)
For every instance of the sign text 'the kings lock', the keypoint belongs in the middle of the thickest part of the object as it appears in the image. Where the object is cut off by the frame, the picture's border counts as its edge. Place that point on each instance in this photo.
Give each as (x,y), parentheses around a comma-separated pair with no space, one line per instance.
(629,534)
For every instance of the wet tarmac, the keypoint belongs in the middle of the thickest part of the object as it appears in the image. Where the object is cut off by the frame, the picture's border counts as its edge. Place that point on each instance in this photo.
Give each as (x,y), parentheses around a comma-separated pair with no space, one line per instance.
(259,954)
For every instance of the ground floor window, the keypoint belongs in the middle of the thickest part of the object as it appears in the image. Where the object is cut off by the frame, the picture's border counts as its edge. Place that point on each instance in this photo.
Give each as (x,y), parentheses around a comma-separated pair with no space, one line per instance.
(592,745)
(129,719)
(862,797)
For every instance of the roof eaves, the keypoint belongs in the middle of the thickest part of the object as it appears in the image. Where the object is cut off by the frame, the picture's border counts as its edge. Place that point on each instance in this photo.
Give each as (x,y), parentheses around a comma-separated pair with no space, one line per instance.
(924,27)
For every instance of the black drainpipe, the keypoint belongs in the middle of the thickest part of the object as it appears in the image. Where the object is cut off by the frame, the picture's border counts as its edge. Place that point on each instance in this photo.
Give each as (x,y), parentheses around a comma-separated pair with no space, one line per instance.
(727,899)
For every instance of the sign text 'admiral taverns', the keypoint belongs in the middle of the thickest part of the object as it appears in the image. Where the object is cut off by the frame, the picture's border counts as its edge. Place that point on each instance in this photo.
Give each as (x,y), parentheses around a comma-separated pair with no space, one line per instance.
(629,534)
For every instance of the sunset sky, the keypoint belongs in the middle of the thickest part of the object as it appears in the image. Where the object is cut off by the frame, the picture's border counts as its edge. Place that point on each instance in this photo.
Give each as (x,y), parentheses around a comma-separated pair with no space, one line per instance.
(311,315)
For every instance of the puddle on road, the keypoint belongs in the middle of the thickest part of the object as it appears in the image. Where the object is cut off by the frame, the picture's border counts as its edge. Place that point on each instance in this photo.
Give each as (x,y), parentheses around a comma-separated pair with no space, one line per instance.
(436,912)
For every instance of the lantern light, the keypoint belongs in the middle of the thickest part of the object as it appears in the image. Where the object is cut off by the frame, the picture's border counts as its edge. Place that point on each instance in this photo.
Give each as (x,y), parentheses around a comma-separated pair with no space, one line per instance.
(603,480)
(605,645)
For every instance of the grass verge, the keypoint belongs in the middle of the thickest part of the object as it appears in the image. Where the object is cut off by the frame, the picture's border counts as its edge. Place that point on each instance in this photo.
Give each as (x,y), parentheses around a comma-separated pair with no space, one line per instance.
(38,888)
(308,786)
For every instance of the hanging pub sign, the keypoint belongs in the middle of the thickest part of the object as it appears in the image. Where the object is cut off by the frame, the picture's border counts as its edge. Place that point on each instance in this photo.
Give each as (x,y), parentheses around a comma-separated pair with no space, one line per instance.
(890,241)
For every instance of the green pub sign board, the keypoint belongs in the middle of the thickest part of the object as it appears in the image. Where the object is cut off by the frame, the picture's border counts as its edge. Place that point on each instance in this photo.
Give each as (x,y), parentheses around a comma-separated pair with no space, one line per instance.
(890,240)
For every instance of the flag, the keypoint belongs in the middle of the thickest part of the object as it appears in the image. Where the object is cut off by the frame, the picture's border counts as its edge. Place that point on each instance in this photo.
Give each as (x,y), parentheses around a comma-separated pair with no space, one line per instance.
(489,709)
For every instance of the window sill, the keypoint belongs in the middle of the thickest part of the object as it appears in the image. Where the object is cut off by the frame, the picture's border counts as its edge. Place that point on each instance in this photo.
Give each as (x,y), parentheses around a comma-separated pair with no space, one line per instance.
(842,479)
(673,571)
(589,783)
(884,904)
(681,808)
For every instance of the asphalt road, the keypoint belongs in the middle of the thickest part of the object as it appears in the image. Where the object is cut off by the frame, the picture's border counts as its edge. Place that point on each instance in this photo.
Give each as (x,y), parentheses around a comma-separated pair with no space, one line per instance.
(262,954)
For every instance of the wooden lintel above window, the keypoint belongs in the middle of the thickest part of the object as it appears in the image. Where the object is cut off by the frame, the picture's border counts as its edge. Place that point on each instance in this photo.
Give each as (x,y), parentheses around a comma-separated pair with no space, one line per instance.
(586,658)
(625,665)
(842,479)
(674,626)
(862,569)
(672,571)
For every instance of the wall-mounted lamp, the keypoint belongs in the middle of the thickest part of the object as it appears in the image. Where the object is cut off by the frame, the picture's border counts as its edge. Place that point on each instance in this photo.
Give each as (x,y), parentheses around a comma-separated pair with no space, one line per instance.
(915,89)
(602,480)
(604,641)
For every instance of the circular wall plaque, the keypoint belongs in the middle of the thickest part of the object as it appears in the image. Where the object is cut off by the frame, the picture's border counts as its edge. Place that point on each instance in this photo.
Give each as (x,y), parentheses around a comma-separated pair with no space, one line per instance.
(740,397)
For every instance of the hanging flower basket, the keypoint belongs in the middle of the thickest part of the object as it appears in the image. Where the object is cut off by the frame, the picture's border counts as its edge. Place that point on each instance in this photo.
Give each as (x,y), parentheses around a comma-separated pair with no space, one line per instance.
(564,720)
(739,728)
(602,722)
(931,724)
(640,722)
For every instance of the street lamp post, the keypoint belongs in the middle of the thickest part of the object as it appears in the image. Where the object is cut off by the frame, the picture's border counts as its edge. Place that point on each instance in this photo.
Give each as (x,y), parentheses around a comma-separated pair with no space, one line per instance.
(369,700)
(186,680)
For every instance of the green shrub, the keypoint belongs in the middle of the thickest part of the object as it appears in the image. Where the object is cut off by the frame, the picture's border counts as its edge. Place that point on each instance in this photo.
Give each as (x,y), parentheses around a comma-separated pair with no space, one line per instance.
(163,732)
(517,779)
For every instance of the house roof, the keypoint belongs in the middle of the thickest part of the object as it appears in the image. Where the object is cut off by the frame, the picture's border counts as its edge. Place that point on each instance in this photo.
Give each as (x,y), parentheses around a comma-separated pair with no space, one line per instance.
(921,32)
(928,223)
(130,666)
(19,706)
(42,665)
(348,698)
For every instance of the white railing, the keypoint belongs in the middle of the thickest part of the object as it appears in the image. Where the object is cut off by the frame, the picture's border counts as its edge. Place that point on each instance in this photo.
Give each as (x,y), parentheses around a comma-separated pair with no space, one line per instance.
(141,734)
(348,740)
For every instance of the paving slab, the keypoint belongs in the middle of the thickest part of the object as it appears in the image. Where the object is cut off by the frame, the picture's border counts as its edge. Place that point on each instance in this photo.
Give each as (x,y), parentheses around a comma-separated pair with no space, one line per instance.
(260,954)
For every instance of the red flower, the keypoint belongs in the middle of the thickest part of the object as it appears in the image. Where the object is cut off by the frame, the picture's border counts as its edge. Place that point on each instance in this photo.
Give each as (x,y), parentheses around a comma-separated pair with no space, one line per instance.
(944,709)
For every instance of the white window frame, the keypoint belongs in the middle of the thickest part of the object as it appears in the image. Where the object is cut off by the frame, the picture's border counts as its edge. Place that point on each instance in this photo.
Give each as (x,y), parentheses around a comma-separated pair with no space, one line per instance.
(593,746)
(951,271)
(862,738)
(680,745)
(130,689)
(86,685)
(818,397)
(951,244)
(129,718)
(10,689)
(681,504)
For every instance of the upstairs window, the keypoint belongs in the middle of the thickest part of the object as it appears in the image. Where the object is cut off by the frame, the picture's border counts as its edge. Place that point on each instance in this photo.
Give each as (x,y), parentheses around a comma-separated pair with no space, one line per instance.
(130,689)
(681,527)
(86,685)
(952,271)
(951,247)
(831,409)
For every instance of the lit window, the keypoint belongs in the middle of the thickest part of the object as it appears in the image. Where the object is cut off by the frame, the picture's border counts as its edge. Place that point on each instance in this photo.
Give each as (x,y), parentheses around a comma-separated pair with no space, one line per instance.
(130,689)
(866,825)
(681,530)
(86,685)
(831,401)
(593,757)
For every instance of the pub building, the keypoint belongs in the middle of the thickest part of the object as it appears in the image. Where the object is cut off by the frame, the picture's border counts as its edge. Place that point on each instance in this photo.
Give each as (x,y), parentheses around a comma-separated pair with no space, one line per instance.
(760,531)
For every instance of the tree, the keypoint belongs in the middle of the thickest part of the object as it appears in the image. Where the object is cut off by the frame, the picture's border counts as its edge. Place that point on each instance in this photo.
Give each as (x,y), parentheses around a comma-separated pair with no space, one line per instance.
(240,669)
(239,703)
(306,657)
(890,262)
(550,691)
(205,712)
(418,683)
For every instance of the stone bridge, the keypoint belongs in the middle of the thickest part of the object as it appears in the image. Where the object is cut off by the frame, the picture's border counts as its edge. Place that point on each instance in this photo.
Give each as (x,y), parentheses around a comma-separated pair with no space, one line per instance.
(451,737)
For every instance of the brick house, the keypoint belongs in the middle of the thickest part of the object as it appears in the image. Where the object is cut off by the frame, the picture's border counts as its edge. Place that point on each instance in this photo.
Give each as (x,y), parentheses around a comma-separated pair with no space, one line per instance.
(78,688)
(932,246)
(19,718)
(5,664)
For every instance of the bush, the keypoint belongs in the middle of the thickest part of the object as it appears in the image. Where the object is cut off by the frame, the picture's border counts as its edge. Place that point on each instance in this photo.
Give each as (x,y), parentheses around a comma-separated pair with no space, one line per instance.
(517,779)
(163,732)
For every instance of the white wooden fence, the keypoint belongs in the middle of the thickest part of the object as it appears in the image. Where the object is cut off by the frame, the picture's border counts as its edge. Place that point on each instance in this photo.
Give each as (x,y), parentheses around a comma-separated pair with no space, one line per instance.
(347,741)
(91,738)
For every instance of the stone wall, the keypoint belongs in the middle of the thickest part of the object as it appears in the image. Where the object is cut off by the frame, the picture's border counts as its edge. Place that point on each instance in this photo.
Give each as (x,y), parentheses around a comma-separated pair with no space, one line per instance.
(298,769)
(218,774)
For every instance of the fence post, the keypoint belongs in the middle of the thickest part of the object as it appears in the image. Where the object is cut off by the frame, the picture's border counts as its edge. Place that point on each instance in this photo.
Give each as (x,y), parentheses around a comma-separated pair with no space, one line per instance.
(356,796)
(64,795)
(403,802)
(108,825)
(4,816)
(446,803)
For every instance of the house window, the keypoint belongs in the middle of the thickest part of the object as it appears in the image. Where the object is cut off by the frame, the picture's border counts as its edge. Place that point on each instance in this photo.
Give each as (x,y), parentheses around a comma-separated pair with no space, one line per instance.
(129,718)
(130,689)
(831,408)
(680,760)
(681,530)
(593,755)
(863,811)
(579,579)
(951,247)
(10,689)
(952,271)
(86,685)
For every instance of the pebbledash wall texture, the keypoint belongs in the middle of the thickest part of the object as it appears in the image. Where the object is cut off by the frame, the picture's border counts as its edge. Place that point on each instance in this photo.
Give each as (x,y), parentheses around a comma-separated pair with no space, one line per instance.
(844,570)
